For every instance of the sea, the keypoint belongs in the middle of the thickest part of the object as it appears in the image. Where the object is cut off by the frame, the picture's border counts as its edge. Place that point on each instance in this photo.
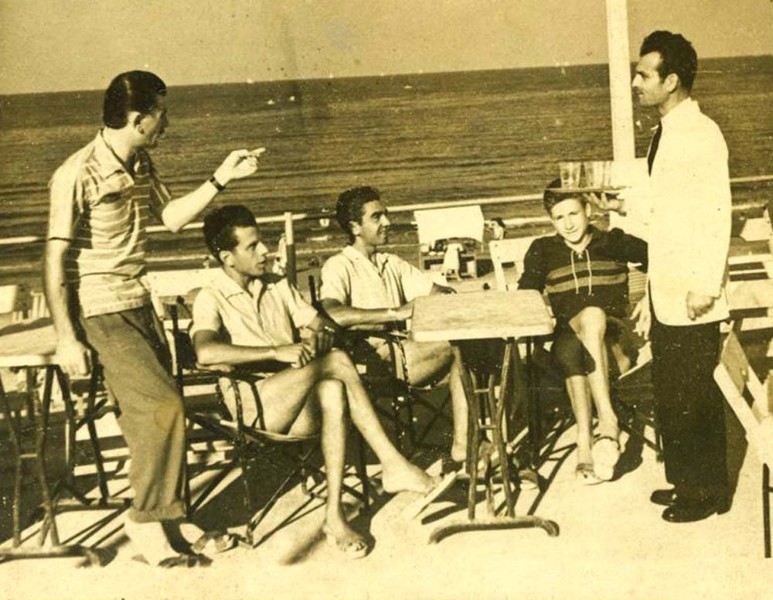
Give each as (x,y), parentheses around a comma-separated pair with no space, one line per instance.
(417,137)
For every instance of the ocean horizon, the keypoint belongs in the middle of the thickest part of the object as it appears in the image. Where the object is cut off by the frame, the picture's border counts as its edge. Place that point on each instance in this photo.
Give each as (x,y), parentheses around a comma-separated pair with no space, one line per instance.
(418,137)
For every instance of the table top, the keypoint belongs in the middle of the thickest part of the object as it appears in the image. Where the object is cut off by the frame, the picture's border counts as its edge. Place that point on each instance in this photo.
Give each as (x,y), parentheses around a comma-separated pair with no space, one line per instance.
(480,315)
(31,344)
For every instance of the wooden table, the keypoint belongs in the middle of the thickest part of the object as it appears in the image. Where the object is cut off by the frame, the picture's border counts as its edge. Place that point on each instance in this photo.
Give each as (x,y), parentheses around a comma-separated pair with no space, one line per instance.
(29,347)
(476,316)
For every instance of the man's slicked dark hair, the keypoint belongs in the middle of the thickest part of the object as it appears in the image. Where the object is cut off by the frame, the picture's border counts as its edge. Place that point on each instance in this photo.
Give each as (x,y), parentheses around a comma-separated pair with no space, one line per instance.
(219,226)
(550,197)
(131,91)
(349,206)
(678,56)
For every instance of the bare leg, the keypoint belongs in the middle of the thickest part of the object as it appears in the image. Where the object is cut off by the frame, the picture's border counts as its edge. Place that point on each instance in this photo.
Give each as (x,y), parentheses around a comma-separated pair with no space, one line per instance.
(459,412)
(428,361)
(579,394)
(286,408)
(590,325)
(330,394)
(398,474)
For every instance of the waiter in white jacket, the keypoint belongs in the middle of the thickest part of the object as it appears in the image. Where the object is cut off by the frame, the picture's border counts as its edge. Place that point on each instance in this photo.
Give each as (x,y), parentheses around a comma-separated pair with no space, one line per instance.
(688,206)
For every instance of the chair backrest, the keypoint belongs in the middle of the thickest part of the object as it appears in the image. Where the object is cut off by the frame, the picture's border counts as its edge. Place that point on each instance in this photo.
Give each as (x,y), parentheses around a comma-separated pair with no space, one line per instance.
(746,395)
(446,223)
(167,286)
(508,252)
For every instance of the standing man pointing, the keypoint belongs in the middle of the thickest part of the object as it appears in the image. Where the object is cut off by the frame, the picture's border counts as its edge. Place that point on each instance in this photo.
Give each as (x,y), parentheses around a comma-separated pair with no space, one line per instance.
(689,238)
(101,199)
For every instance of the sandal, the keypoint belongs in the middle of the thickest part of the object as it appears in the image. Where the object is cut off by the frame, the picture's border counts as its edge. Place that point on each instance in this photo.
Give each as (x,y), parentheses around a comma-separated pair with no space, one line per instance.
(586,474)
(214,542)
(351,547)
(606,453)
(187,561)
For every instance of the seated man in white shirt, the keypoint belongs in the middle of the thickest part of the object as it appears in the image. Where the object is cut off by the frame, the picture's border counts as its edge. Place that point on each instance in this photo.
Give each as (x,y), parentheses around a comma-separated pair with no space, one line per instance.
(362,287)
(247,316)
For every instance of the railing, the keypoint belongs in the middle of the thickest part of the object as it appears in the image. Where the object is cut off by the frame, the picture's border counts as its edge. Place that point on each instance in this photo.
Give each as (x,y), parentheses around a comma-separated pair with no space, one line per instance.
(290,218)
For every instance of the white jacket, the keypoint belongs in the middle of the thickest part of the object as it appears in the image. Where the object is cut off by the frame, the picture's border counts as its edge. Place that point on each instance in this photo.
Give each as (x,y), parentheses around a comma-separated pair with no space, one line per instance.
(688,212)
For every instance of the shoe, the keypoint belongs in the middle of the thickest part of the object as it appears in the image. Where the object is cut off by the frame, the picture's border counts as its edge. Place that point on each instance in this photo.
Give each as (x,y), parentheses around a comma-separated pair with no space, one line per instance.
(585,474)
(688,511)
(664,497)
(606,453)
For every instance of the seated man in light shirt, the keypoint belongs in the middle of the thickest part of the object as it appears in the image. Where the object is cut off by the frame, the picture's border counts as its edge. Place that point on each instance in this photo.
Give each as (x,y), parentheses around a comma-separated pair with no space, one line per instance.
(362,287)
(251,319)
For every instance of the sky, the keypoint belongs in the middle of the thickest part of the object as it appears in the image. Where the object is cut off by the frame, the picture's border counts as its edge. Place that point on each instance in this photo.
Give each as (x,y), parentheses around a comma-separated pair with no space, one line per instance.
(54,45)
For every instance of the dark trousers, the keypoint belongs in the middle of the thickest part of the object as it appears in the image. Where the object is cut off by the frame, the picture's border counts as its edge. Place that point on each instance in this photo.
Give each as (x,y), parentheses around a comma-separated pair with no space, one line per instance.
(689,407)
(132,350)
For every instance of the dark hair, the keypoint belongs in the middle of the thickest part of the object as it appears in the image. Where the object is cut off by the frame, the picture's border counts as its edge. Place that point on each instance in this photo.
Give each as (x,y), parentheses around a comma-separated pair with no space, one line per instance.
(677,56)
(349,206)
(550,198)
(131,91)
(219,226)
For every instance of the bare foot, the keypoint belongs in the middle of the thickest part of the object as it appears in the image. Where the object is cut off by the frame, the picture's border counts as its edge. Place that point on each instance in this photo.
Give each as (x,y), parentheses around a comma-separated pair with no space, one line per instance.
(347,541)
(408,478)
(584,453)
(459,452)
(149,540)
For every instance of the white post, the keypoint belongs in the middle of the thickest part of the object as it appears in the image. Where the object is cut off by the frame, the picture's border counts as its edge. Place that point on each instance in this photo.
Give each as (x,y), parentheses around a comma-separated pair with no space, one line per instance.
(620,80)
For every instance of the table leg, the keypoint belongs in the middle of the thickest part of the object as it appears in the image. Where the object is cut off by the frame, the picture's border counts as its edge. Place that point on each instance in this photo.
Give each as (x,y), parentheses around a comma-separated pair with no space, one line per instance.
(37,410)
(474,437)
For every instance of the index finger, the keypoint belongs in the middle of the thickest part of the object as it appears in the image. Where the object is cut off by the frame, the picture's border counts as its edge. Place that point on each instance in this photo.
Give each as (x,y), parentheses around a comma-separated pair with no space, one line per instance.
(257,151)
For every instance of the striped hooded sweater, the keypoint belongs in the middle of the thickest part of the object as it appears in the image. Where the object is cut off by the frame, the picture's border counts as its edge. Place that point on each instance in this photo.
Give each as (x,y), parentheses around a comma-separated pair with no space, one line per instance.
(597,276)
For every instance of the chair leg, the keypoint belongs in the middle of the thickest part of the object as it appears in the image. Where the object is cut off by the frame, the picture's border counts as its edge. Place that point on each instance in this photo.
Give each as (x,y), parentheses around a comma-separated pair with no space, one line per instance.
(766,491)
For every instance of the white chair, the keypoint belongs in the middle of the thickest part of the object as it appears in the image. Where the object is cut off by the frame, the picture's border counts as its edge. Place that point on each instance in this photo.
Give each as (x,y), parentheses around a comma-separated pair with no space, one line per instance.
(747,397)
(449,238)
(506,253)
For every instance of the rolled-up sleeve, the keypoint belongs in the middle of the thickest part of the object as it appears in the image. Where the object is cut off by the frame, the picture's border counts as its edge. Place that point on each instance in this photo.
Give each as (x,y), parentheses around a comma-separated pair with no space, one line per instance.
(301,312)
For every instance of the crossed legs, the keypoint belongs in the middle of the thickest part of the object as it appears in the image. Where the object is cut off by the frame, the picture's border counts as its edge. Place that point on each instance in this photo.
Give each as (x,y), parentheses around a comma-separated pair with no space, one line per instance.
(296,400)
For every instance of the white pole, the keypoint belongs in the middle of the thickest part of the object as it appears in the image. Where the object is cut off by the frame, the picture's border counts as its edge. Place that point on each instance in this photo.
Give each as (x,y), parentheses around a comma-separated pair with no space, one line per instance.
(620,80)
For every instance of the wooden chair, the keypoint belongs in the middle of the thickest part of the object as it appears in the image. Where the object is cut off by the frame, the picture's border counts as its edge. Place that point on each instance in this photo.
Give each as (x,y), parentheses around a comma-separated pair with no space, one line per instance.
(508,254)
(750,402)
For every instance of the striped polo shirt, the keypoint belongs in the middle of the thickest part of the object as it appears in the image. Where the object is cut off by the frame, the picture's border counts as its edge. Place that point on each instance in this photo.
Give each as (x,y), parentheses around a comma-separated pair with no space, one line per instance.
(106,260)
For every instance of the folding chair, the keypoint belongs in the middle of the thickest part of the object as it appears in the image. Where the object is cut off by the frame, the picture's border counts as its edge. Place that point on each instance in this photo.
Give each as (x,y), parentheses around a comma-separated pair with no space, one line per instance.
(389,380)
(751,404)
(248,443)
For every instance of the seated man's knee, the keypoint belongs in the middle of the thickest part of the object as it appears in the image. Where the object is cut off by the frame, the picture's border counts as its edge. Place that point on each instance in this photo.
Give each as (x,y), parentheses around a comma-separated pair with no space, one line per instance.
(591,321)
(338,362)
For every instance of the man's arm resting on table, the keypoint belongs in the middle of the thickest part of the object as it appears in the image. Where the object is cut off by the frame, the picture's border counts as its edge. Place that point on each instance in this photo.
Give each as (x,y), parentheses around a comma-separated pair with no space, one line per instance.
(238,164)
(212,351)
(346,316)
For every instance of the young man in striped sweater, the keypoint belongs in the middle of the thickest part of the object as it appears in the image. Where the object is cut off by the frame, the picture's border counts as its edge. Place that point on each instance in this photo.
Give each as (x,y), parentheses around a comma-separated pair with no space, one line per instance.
(584,271)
